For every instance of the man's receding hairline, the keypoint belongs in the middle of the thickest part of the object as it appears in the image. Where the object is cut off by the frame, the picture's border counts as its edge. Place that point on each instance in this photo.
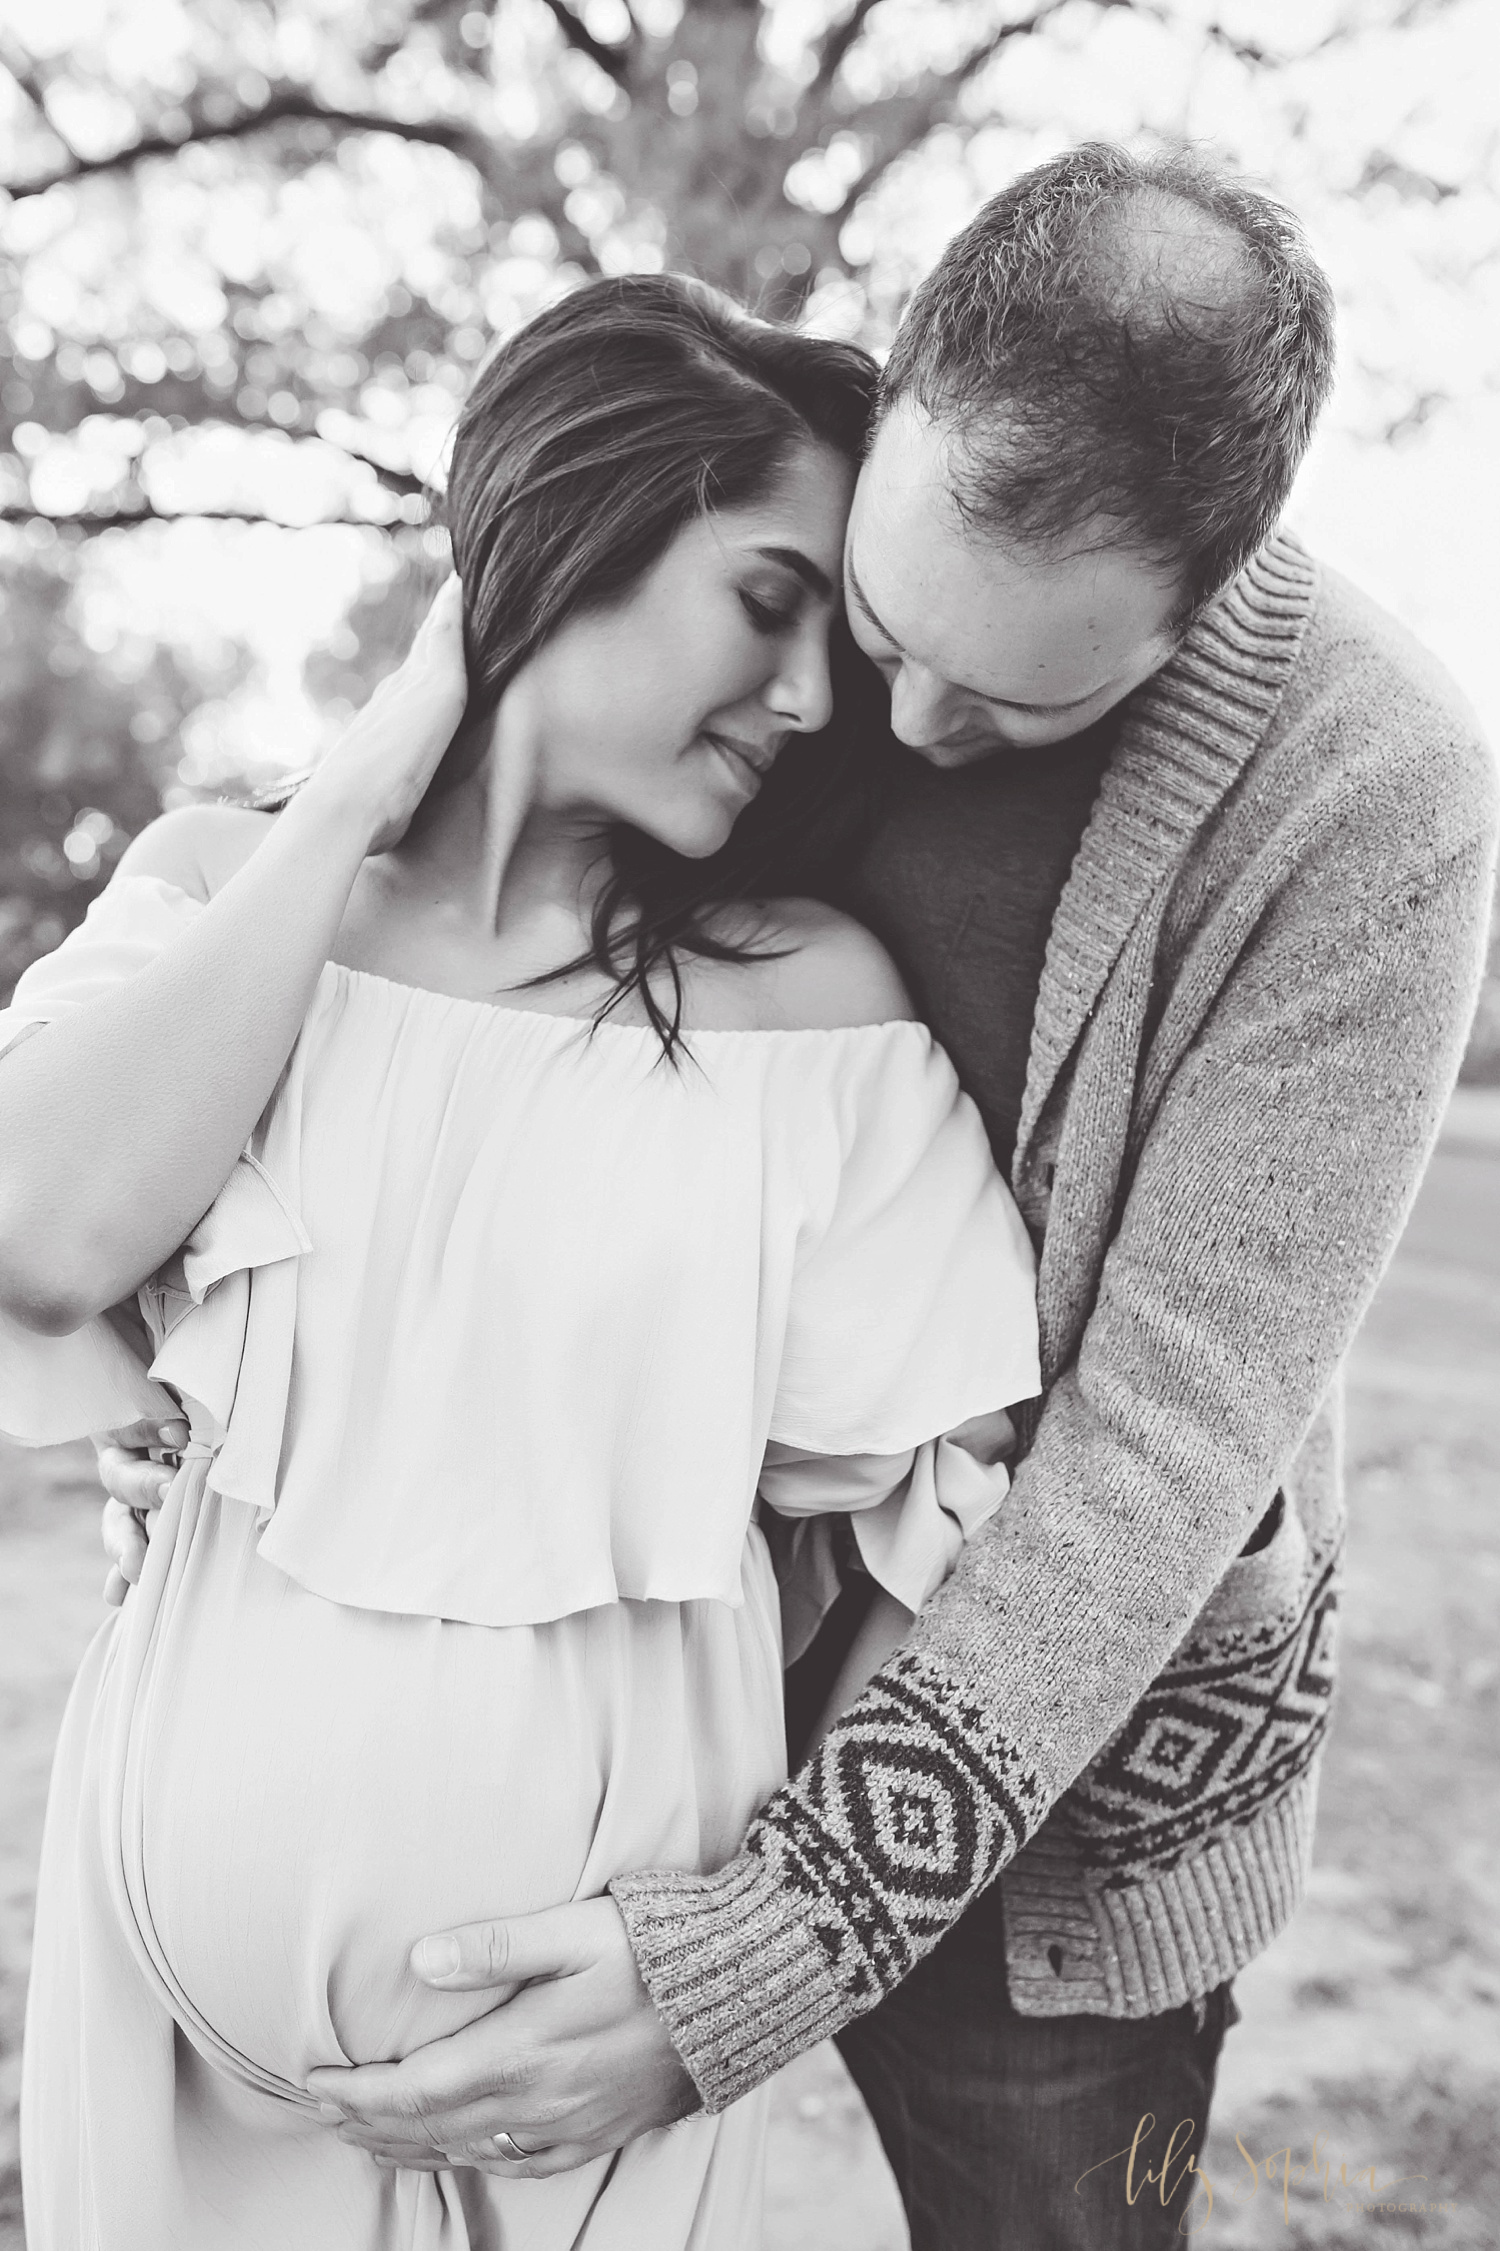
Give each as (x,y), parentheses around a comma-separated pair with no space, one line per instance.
(1118,337)
(1091,536)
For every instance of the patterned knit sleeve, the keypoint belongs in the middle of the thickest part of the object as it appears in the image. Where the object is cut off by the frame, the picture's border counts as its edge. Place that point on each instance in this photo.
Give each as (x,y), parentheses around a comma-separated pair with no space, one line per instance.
(906,1810)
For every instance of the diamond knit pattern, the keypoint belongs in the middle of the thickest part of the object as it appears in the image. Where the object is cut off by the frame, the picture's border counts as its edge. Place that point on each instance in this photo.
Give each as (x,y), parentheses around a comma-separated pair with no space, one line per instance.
(905,1813)
(1218,1735)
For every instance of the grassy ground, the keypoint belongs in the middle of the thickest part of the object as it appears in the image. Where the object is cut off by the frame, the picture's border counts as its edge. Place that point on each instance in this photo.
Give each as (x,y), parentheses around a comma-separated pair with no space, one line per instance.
(1371,2038)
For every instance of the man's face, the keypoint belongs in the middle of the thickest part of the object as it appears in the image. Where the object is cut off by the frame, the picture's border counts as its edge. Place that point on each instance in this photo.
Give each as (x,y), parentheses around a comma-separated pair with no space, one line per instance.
(987,648)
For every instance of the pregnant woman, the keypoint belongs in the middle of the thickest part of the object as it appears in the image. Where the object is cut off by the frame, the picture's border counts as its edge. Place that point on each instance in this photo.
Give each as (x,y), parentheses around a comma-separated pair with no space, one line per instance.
(517,1188)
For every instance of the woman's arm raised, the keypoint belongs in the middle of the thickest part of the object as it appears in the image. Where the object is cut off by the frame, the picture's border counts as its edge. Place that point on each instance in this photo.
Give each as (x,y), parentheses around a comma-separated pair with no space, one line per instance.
(121,1122)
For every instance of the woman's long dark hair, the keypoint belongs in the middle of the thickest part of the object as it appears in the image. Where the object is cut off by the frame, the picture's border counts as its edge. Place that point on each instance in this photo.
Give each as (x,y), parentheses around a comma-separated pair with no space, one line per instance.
(589,440)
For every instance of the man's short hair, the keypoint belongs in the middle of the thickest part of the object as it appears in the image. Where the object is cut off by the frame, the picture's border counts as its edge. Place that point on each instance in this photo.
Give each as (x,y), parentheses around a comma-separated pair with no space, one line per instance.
(1130,352)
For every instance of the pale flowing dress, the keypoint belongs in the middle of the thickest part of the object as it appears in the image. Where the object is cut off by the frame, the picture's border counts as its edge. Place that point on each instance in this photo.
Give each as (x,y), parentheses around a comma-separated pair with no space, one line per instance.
(494,1347)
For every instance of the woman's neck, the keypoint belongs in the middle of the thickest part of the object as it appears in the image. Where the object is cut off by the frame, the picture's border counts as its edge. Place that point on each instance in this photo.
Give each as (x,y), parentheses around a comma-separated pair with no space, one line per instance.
(503,863)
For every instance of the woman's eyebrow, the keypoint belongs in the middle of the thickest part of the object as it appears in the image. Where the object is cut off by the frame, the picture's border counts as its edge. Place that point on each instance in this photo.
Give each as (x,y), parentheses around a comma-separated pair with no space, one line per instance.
(803,566)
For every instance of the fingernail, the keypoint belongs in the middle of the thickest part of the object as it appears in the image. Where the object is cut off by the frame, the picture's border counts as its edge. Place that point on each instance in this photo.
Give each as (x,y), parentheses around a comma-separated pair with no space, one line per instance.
(331,2112)
(173,1434)
(438,1957)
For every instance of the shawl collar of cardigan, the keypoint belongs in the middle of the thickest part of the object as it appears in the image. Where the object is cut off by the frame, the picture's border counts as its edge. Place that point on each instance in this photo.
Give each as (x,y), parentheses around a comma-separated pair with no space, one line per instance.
(1187,736)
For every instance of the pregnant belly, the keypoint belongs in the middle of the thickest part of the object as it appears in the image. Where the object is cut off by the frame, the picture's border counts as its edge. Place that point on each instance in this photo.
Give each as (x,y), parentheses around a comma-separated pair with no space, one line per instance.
(318,1786)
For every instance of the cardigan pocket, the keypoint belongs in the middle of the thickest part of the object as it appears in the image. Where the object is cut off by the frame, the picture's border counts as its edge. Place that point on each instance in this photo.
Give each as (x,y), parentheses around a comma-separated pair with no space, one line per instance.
(1259,1587)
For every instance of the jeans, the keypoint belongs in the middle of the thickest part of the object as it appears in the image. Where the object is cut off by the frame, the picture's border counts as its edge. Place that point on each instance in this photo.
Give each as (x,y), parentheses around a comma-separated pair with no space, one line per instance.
(990,2118)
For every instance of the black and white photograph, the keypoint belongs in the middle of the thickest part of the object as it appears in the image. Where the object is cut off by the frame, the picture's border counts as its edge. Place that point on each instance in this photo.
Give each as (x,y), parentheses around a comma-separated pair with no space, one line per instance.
(749,1125)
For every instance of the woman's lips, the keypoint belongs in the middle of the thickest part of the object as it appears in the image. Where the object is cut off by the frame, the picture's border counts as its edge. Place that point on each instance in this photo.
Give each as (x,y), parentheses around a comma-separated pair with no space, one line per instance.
(747,764)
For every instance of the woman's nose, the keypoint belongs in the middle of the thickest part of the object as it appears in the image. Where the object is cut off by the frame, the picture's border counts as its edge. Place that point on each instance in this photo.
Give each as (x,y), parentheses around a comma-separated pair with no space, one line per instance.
(802,692)
(921,707)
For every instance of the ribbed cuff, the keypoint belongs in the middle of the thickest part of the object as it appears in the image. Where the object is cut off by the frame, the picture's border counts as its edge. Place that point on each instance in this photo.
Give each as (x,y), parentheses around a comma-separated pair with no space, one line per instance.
(737,1977)
(1079,1943)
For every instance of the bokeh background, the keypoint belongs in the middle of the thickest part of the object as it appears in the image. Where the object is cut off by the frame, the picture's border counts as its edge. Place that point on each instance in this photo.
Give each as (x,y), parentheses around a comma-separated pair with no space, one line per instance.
(251,253)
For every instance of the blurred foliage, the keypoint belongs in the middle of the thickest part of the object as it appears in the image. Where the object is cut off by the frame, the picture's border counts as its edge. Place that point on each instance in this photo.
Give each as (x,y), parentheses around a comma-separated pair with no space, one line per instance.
(385,613)
(89,725)
(254,249)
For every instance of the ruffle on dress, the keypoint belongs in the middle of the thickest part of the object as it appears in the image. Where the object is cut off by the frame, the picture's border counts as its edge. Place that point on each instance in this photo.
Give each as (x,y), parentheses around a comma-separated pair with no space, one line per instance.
(52,1388)
(224,1313)
(498,1315)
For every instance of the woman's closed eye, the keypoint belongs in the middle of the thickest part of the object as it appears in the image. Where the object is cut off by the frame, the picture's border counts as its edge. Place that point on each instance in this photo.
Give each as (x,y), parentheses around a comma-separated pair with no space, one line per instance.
(772,613)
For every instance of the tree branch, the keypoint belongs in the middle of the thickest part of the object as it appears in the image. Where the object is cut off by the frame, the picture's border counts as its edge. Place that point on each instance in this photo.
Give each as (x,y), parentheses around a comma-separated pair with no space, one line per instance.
(402,484)
(287,106)
(93,520)
(517,177)
(901,121)
(24,71)
(380,52)
(1257,56)
(611,59)
(838,43)
(399,481)
(1413,418)
(1382,170)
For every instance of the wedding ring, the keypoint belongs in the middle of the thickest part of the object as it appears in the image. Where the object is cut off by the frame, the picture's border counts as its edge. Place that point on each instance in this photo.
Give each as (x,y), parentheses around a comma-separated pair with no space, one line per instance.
(510,2148)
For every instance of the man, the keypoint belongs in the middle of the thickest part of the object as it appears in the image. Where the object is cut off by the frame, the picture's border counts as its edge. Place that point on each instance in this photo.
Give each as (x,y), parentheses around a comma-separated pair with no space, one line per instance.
(1190,870)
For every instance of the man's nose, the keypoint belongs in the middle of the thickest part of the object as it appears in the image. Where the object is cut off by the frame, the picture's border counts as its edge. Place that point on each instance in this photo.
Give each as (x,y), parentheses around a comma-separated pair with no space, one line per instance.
(923,707)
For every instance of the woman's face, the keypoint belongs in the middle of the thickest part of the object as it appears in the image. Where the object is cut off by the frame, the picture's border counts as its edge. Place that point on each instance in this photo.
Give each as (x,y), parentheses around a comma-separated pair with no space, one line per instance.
(667,710)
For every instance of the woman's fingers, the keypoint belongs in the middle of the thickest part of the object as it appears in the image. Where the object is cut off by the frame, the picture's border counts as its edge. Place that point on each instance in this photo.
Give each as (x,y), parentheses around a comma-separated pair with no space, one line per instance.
(137,1464)
(135,1484)
(133,1480)
(440,636)
(381,765)
(140,1437)
(124,1537)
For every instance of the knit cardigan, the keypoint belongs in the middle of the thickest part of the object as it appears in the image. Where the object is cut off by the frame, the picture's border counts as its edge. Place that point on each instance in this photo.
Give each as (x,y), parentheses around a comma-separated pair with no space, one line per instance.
(1252,1011)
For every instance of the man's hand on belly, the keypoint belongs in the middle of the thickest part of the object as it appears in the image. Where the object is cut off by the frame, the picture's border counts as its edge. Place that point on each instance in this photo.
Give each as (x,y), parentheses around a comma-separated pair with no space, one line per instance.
(572,2065)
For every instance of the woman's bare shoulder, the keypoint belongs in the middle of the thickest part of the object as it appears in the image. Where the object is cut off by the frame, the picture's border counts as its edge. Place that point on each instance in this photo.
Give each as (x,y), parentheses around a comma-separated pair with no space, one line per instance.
(833,972)
(198,847)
